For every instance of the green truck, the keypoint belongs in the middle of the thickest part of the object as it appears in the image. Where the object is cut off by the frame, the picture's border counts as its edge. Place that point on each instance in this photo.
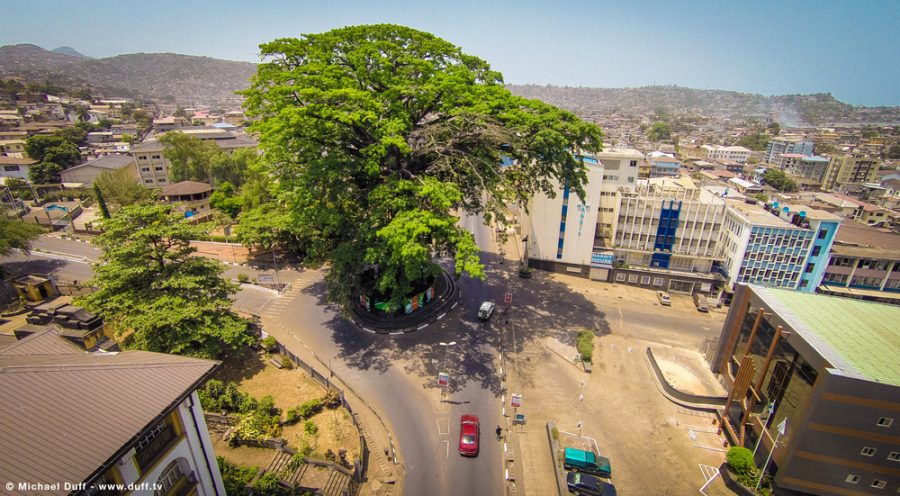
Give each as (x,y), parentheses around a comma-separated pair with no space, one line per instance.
(587,462)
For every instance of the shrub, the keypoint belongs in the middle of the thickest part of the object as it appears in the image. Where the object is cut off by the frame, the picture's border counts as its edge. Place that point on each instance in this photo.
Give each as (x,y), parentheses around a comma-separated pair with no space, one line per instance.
(216,396)
(740,460)
(585,345)
(310,408)
(258,425)
(270,343)
(555,433)
(332,398)
(235,477)
(267,484)
(243,278)
(330,456)
(525,272)
(310,427)
(293,415)
(286,362)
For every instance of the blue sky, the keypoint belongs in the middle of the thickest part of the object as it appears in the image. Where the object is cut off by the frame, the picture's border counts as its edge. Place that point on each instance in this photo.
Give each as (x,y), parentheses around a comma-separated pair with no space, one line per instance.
(848,48)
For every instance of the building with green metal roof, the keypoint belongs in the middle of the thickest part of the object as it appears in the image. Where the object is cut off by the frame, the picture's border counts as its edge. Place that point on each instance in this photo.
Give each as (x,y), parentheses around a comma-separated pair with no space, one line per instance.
(828,369)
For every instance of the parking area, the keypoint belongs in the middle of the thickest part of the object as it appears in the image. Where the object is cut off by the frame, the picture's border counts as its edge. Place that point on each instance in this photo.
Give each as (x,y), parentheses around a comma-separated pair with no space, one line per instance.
(654,446)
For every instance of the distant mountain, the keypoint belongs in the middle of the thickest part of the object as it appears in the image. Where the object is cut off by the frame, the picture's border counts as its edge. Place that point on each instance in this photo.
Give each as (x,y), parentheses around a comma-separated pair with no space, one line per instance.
(788,110)
(189,80)
(64,50)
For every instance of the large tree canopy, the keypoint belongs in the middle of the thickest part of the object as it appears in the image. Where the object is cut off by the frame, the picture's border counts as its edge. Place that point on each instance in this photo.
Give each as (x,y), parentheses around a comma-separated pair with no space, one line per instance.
(150,283)
(379,135)
(16,235)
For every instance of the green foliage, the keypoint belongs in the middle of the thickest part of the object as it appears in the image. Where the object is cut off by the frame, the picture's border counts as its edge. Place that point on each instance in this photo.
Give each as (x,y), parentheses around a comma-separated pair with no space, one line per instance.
(265,226)
(101,202)
(310,408)
(292,415)
(17,235)
(894,152)
(761,197)
(774,128)
(332,398)
(377,135)
(67,194)
(225,200)
(310,427)
(215,396)
(740,460)
(660,131)
(45,173)
(755,141)
(150,283)
(555,433)
(120,188)
(270,343)
(261,423)
(235,477)
(585,345)
(243,278)
(232,167)
(191,157)
(825,148)
(268,484)
(286,362)
(53,149)
(779,180)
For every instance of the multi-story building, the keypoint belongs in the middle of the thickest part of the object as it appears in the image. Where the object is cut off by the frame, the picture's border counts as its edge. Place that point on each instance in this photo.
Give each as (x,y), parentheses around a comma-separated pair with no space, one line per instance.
(560,231)
(778,146)
(85,419)
(664,166)
(153,166)
(621,168)
(16,167)
(777,246)
(844,170)
(666,234)
(737,154)
(822,370)
(864,264)
(811,167)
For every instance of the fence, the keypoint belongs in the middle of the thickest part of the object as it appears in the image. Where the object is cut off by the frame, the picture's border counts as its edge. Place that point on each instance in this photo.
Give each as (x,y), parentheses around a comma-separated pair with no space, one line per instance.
(360,467)
(73,289)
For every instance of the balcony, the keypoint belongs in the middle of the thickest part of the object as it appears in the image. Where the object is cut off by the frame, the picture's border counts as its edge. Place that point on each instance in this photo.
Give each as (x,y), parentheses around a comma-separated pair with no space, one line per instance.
(158,446)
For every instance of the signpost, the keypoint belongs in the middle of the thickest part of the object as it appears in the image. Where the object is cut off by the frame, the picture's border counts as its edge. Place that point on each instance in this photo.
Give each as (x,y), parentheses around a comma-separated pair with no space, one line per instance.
(265,279)
(507,298)
(516,400)
(443,381)
(782,428)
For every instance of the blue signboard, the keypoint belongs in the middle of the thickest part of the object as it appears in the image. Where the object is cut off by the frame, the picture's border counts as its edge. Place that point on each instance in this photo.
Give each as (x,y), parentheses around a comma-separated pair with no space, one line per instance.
(603,259)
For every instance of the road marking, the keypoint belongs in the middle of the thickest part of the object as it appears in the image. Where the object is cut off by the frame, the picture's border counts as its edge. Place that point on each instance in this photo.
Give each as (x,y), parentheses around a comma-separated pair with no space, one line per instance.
(396,333)
(454,305)
(62,256)
(445,431)
(441,316)
(448,448)
(423,326)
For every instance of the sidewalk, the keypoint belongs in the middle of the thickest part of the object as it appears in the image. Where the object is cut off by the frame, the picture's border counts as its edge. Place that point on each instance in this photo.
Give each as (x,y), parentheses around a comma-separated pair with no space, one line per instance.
(384,475)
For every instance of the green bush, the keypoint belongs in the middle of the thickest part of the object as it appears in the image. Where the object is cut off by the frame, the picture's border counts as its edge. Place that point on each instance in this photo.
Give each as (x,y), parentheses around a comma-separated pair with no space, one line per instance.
(555,433)
(268,484)
(332,398)
(740,460)
(243,278)
(270,343)
(286,362)
(235,477)
(585,345)
(310,427)
(293,415)
(216,396)
(310,408)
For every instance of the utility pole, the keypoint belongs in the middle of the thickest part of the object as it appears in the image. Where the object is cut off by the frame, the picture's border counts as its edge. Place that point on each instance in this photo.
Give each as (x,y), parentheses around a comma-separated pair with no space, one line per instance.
(782,428)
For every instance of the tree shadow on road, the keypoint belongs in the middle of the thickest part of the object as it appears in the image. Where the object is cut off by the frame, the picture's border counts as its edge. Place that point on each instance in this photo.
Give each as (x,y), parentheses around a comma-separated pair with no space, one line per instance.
(37,266)
(542,307)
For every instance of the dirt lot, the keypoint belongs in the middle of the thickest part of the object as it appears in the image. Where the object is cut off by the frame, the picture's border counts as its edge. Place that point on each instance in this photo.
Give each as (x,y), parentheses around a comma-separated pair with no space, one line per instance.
(654,446)
(289,388)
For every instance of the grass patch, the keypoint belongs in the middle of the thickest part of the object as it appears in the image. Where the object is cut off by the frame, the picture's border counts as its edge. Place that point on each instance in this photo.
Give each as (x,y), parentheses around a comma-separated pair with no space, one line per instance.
(585,345)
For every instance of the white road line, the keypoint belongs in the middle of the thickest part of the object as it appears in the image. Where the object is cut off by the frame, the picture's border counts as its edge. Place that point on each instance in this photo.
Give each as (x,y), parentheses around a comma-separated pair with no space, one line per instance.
(448,448)
(423,326)
(396,333)
(441,316)
(454,305)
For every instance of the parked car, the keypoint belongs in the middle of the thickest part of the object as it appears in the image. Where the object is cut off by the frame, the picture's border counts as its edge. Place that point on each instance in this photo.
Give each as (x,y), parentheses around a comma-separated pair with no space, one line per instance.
(586,461)
(700,302)
(469,432)
(664,298)
(579,483)
(486,310)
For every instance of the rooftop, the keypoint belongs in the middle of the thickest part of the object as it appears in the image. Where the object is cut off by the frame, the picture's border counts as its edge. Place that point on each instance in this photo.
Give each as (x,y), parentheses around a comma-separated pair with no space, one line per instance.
(51,403)
(106,162)
(859,338)
(859,240)
(757,215)
(185,188)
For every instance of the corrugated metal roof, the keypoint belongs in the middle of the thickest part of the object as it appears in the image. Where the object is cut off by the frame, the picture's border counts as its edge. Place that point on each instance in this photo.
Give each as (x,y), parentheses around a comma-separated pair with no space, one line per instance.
(64,416)
(43,342)
(858,337)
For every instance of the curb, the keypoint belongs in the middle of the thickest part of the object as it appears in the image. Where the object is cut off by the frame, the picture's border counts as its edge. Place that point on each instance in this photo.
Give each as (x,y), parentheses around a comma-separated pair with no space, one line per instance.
(454,296)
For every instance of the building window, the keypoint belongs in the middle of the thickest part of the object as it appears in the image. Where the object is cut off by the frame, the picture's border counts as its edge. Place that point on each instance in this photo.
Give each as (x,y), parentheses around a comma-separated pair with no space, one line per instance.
(620,277)
(811,267)
(11,168)
(145,169)
(148,181)
(645,280)
(158,168)
(823,233)
(168,478)
(853,479)
(885,422)
(632,278)
(633,163)
(816,251)
(156,157)
(867,451)
(894,456)
(658,281)
(878,484)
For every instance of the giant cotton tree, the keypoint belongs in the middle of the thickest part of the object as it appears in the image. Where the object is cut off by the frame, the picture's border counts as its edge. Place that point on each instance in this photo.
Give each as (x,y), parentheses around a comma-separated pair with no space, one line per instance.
(380,135)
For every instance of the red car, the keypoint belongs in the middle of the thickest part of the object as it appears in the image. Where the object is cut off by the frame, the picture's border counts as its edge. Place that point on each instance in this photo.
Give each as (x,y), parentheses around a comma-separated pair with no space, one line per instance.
(468,435)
